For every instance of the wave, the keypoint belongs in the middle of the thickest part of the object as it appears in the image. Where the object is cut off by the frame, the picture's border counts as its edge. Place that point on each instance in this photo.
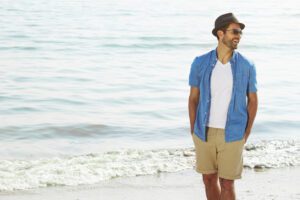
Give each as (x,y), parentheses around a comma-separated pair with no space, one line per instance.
(95,167)
(45,131)
(272,154)
(48,131)
(154,46)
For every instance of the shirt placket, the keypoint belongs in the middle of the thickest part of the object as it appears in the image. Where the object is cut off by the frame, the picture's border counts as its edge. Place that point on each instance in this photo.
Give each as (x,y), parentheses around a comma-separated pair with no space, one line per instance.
(208,100)
(232,100)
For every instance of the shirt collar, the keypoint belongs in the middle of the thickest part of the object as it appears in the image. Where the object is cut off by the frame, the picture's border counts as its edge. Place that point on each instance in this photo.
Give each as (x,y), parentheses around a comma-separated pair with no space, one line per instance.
(215,57)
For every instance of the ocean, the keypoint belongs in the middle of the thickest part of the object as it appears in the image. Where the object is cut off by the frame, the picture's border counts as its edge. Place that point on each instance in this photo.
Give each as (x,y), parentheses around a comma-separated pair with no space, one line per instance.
(93,90)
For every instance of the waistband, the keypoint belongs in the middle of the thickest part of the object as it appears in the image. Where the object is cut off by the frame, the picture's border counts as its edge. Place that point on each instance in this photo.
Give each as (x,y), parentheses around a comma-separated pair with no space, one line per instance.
(215,129)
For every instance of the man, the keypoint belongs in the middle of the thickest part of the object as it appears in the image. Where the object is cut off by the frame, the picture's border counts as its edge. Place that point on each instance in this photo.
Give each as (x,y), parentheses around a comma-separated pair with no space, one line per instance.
(221,81)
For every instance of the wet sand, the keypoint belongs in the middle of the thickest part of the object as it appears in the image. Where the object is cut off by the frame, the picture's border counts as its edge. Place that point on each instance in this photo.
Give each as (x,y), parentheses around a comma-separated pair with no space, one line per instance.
(267,184)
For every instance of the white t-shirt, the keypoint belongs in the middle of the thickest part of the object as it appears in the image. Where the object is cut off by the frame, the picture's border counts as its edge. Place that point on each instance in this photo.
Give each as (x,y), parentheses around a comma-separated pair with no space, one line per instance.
(221,90)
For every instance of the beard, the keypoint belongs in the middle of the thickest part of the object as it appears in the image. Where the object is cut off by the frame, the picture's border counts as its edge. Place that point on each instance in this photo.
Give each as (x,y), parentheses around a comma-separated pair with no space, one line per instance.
(229,43)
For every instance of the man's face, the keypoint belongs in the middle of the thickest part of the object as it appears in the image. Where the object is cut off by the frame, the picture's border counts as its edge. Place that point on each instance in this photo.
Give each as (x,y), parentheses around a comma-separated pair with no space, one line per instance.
(230,39)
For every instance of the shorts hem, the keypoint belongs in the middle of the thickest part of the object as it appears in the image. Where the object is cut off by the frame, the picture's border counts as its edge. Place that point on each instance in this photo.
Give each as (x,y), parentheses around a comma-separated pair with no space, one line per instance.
(229,177)
(206,171)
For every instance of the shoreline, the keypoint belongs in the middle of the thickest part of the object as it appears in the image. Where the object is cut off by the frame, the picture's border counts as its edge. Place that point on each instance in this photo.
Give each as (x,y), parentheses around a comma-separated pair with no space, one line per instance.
(281,183)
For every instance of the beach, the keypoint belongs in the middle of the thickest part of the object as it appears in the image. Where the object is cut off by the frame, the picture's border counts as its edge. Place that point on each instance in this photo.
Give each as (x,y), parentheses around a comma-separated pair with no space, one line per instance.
(94,98)
(271,184)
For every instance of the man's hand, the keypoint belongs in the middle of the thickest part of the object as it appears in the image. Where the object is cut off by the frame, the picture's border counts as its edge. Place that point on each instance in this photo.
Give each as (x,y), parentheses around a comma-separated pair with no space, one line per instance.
(246,135)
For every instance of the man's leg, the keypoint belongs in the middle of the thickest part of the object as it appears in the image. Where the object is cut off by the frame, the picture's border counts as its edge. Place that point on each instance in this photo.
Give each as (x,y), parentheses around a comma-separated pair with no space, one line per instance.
(206,163)
(212,187)
(230,164)
(227,189)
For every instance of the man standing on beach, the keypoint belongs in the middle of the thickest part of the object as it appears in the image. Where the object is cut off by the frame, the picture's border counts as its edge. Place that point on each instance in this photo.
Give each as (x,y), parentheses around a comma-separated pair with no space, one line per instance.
(220,118)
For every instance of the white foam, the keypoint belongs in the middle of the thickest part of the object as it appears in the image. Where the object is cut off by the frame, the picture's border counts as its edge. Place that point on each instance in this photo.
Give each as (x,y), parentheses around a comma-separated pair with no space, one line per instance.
(272,154)
(95,167)
(91,168)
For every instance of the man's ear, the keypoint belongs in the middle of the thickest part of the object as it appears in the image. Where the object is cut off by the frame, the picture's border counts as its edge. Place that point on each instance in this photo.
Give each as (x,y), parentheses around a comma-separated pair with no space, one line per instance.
(220,33)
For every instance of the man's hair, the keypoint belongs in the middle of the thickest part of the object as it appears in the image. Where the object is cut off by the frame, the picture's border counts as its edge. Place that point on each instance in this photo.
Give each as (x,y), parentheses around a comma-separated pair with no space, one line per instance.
(223,28)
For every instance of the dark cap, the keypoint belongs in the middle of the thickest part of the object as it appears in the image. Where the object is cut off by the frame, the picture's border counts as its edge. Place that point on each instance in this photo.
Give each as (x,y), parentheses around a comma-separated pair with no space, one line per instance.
(224,20)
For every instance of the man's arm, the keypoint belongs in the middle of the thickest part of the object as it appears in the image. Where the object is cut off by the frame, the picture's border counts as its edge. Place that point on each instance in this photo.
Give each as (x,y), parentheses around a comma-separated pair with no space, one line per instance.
(193,104)
(252,109)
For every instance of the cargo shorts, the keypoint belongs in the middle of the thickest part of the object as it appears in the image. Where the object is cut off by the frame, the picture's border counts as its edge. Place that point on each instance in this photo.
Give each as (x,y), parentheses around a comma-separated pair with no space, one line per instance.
(217,156)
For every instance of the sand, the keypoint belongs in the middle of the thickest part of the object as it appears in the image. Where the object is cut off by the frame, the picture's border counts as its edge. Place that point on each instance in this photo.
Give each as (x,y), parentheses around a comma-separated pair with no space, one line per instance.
(268,184)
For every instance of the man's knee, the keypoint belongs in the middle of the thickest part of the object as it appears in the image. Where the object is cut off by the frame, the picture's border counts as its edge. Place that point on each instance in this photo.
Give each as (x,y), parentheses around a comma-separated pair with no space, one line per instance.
(210,179)
(226,184)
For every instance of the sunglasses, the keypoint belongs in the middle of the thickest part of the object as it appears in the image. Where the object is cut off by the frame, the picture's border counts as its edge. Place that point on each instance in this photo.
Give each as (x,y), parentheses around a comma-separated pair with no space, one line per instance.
(235,31)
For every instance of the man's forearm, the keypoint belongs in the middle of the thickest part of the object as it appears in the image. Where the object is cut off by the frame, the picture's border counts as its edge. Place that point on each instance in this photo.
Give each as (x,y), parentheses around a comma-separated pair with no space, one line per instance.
(192,113)
(252,109)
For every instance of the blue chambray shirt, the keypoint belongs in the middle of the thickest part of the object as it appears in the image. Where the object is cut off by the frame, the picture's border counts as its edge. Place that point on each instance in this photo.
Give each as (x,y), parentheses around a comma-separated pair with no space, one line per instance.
(244,81)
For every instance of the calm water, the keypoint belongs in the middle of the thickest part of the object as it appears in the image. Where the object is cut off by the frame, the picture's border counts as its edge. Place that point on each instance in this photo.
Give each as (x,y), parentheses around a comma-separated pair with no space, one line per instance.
(88,81)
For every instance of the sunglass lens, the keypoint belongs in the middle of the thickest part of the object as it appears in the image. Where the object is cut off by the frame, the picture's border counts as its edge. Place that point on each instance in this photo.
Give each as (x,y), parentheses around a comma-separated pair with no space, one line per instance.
(236,32)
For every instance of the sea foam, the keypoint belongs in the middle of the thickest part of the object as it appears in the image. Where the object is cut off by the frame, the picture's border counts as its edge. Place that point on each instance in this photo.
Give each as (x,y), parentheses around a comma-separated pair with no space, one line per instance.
(95,167)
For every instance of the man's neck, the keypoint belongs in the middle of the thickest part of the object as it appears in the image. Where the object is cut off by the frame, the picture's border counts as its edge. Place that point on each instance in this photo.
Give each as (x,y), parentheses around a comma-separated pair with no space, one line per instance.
(224,54)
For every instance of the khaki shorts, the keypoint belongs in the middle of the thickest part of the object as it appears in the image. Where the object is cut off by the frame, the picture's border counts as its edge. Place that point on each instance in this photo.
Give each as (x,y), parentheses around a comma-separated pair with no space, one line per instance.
(217,156)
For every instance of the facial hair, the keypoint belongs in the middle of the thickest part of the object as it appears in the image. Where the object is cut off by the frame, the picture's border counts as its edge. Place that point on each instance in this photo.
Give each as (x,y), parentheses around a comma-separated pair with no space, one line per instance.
(229,43)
